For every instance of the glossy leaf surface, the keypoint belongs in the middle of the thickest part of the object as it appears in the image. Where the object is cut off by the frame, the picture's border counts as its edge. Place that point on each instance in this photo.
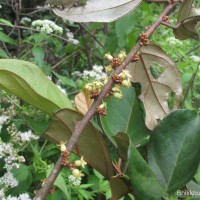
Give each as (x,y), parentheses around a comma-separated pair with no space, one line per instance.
(145,183)
(26,81)
(188,21)
(126,116)
(174,149)
(90,145)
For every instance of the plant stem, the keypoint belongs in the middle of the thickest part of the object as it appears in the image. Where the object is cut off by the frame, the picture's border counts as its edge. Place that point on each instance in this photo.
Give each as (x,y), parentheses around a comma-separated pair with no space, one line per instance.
(192,79)
(80,126)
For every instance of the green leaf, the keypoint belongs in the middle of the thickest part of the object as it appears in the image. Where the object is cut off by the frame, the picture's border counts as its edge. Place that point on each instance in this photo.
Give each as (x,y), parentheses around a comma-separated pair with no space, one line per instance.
(27,82)
(126,116)
(38,54)
(24,176)
(4,21)
(120,185)
(7,39)
(90,145)
(61,184)
(3,54)
(174,149)
(37,126)
(144,182)
(188,21)
(65,80)
(122,141)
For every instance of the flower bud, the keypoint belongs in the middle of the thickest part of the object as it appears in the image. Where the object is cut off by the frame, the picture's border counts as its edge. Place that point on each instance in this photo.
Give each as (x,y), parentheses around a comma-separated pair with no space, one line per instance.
(108,56)
(126,83)
(118,95)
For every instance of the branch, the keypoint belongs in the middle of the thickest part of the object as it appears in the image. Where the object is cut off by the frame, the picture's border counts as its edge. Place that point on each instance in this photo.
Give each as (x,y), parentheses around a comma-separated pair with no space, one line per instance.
(192,79)
(80,126)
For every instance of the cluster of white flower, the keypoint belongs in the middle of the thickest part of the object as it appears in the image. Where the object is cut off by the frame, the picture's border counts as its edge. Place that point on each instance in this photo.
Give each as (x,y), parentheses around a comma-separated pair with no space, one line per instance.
(74,180)
(3,120)
(47,26)
(95,74)
(25,20)
(76,176)
(0,6)
(2,194)
(10,156)
(195,58)
(24,196)
(71,38)
(174,42)
(8,180)
(61,89)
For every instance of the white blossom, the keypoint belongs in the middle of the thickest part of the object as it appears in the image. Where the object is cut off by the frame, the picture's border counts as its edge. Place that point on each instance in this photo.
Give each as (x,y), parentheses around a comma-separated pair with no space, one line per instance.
(96,73)
(76,73)
(2,194)
(25,20)
(24,196)
(47,26)
(8,180)
(76,181)
(61,89)
(3,120)
(27,136)
(195,58)
(173,41)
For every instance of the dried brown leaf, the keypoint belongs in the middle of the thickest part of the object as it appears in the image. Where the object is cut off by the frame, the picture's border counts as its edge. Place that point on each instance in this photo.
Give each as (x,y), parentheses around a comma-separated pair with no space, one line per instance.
(83,101)
(97,11)
(158,76)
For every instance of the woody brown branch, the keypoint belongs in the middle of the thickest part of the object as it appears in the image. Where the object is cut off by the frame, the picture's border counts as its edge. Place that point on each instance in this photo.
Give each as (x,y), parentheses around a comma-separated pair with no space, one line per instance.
(80,126)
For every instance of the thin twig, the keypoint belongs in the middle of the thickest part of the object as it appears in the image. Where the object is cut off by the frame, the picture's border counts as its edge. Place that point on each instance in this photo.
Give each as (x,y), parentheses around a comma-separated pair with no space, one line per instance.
(80,126)
(91,35)
(64,59)
(86,47)
(192,79)
(170,25)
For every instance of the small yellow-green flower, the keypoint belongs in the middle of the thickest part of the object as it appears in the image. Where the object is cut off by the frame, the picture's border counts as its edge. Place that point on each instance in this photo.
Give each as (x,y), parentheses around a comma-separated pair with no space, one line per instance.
(80,162)
(77,173)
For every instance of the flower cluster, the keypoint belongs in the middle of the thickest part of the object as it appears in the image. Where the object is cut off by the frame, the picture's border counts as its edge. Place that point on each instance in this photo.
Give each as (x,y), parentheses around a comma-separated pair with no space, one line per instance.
(96,74)
(97,78)
(24,196)
(195,58)
(71,38)
(8,181)
(47,26)
(172,41)
(76,176)
(9,150)
(25,20)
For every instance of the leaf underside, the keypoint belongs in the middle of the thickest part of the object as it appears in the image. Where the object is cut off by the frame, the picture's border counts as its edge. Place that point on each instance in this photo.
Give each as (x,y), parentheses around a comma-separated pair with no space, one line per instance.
(97,11)
(156,89)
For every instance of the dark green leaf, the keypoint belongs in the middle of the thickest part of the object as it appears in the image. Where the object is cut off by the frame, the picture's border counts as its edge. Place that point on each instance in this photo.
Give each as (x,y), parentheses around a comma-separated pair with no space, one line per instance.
(27,81)
(24,176)
(90,145)
(122,141)
(144,181)
(126,116)
(120,186)
(174,149)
